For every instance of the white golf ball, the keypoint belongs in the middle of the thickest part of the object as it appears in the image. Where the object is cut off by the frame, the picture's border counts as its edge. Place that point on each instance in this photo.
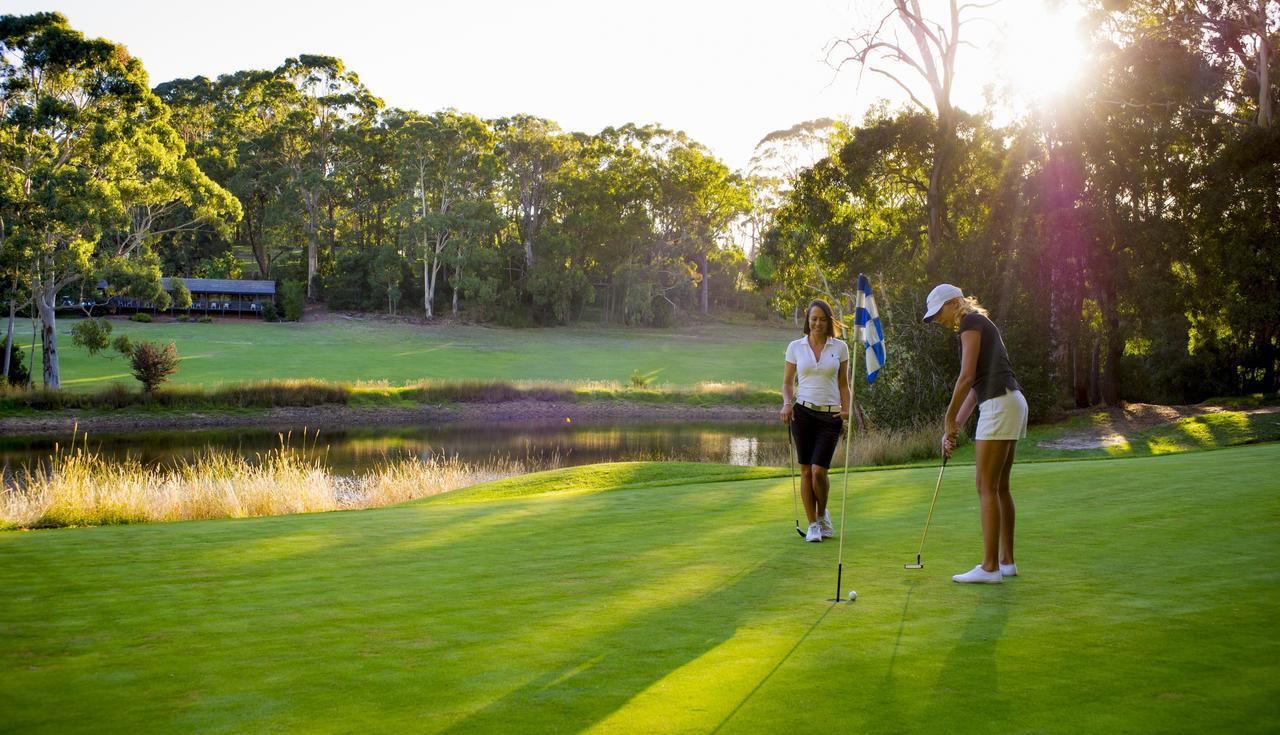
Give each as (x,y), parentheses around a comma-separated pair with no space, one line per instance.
(852,595)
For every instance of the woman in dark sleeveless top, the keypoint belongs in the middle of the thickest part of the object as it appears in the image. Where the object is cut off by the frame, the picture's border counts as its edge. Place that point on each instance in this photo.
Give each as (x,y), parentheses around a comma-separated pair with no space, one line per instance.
(986,381)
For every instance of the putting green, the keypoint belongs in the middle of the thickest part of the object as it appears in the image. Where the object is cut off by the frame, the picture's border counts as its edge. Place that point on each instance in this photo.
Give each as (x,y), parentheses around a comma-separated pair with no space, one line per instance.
(671,598)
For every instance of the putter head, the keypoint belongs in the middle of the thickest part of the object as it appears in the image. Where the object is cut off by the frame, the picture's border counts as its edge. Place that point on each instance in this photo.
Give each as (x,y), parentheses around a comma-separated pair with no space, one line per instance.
(799,531)
(917,565)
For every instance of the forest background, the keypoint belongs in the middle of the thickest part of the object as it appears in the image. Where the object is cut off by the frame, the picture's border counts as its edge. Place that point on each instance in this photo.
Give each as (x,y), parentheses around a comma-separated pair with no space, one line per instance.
(1124,236)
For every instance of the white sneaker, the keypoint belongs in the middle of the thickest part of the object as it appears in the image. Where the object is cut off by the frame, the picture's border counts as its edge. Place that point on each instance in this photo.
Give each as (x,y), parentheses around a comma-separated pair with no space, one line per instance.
(814,534)
(1009,570)
(824,524)
(978,575)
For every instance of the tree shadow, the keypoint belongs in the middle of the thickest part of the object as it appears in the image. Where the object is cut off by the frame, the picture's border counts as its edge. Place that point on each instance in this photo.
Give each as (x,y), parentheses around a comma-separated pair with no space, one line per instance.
(604,674)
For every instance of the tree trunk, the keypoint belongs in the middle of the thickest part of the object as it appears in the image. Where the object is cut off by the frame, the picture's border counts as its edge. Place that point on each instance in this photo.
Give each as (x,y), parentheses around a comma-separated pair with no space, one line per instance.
(457,276)
(8,340)
(313,247)
(936,198)
(702,266)
(1114,351)
(1080,372)
(427,289)
(49,333)
(1264,69)
(528,251)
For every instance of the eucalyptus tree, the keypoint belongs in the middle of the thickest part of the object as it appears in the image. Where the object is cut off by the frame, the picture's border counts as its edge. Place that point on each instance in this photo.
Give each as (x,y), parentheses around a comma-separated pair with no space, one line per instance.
(446,160)
(703,198)
(90,157)
(926,53)
(532,151)
(326,99)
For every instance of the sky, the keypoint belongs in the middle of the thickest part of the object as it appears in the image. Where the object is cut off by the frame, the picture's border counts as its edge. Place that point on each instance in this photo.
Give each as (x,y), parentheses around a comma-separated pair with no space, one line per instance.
(725,72)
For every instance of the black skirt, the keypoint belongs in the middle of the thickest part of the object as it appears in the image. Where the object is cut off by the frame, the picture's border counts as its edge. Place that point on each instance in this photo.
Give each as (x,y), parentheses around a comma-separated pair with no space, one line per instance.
(816,434)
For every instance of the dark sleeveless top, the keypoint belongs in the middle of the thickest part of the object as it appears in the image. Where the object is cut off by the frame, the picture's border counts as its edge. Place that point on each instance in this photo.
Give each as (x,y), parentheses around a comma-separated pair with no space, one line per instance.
(995,373)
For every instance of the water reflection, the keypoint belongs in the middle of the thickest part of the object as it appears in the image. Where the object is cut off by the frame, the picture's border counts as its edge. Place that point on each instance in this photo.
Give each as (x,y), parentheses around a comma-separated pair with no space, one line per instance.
(352,451)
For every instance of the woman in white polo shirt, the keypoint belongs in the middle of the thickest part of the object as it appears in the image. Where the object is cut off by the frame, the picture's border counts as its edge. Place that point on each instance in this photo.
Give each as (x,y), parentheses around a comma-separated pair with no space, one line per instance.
(986,380)
(815,404)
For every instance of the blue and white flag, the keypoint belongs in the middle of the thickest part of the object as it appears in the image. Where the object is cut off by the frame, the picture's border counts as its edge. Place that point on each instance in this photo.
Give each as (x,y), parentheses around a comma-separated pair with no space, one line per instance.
(869,330)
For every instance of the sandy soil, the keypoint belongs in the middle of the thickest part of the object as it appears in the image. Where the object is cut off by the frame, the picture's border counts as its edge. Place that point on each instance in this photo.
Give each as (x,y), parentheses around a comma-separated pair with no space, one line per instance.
(1122,423)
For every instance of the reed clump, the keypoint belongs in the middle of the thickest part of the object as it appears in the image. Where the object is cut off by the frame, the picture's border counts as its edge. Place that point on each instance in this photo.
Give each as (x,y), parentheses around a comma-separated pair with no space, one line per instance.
(80,487)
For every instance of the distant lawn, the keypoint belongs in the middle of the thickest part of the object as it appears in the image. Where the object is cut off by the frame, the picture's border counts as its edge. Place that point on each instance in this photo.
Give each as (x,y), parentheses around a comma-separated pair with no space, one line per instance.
(643,598)
(232,352)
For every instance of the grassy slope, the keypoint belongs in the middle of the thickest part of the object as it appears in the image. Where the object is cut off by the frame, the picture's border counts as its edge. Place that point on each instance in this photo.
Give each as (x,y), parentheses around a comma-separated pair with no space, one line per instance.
(348,351)
(1148,603)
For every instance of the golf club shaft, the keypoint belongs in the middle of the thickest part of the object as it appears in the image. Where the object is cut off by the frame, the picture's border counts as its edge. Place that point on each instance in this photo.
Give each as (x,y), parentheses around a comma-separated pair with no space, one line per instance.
(933,502)
(795,504)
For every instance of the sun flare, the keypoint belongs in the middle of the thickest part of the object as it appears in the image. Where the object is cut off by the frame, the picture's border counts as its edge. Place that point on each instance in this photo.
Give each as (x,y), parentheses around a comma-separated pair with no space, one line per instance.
(1044,54)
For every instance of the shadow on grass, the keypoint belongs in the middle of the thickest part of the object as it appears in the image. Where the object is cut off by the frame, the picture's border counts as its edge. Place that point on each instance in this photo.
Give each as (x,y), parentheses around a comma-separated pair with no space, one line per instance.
(605,675)
(970,679)
(765,679)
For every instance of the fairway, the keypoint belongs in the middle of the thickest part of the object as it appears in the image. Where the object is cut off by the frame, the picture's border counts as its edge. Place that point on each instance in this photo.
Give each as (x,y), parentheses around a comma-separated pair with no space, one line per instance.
(232,351)
(669,598)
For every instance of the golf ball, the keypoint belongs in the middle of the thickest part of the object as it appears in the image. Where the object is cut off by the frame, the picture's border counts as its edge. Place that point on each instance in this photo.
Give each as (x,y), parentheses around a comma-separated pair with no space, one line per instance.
(852,595)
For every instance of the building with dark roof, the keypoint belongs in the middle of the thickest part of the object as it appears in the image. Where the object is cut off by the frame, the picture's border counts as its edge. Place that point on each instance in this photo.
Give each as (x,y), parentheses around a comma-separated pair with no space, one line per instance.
(212,296)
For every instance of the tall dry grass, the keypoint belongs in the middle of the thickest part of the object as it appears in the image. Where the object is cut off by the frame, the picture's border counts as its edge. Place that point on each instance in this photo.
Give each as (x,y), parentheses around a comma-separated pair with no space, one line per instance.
(79,487)
(876,447)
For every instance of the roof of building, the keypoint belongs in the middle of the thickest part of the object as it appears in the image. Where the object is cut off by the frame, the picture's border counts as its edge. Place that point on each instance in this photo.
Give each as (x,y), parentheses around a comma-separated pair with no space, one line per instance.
(223,285)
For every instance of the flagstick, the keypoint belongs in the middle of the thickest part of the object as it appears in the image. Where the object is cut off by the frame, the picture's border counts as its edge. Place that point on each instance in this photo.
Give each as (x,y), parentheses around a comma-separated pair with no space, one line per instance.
(848,441)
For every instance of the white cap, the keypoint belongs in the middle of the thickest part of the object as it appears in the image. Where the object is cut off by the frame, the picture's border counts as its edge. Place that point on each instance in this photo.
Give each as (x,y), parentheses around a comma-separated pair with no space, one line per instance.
(941,294)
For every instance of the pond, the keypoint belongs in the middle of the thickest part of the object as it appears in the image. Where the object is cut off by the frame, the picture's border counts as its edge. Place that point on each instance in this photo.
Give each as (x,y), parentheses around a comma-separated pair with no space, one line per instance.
(354,451)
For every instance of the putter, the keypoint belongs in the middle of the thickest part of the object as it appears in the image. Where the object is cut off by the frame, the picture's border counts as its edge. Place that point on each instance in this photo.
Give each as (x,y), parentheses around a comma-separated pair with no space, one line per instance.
(920,564)
(795,504)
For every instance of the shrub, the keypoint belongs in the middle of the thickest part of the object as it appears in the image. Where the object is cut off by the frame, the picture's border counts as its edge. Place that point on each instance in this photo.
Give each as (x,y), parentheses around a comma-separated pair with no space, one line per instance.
(18,373)
(123,345)
(293,296)
(270,313)
(92,334)
(153,364)
(181,294)
(142,317)
(205,319)
(640,380)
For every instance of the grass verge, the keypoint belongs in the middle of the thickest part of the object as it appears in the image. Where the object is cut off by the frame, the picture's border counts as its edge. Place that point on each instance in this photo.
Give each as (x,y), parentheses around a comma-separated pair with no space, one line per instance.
(621,605)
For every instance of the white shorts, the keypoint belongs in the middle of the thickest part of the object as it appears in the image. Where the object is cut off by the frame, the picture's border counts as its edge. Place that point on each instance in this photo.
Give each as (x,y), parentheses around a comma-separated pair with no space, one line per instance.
(1003,417)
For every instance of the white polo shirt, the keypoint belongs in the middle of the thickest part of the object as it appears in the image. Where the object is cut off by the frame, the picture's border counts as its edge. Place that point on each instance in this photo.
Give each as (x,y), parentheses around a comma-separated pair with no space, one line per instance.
(818,381)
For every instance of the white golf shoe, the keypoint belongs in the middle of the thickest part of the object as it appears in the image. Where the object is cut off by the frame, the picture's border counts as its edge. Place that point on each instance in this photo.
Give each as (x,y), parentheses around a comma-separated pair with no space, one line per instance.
(978,575)
(824,525)
(1009,570)
(814,534)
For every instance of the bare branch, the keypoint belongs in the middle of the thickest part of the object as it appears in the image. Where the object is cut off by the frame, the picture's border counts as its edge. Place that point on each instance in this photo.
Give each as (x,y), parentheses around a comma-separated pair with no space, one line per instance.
(914,99)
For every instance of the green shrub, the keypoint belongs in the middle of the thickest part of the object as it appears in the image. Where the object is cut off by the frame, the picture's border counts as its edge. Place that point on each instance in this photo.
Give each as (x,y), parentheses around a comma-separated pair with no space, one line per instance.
(123,345)
(205,319)
(270,313)
(142,317)
(92,334)
(293,299)
(181,294)
(153,364)
(18,373)
(640,380)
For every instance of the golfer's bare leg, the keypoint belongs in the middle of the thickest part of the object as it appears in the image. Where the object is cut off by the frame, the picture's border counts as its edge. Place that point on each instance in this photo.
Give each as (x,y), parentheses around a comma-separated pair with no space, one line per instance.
(1007,513)
(821,490)
(991,457)
(806,491)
